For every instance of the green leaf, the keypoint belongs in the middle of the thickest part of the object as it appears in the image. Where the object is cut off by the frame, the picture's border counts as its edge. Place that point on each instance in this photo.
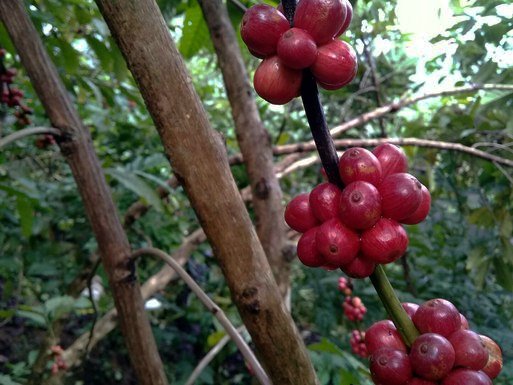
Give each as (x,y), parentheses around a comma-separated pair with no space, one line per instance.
(56,307)
(32,315)
(504,273)
(138,186)
(26,213)
(70,58)
(7,380)
(195,34)
(215,337)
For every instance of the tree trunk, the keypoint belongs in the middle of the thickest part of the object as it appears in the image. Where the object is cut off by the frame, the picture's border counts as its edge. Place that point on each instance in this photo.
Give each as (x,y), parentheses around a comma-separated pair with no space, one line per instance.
(199,160)
(76,145)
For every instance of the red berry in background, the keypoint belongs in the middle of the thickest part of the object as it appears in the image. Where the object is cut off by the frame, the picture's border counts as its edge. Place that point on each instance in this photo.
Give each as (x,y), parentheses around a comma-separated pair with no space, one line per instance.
(324,200)
(322,19)
(392,159)
(401,195)
(261,28)
(357,343)
(383,334)
(390,367)
(432,356)
(354,309)
(466,377)
(410,308)
(336,64)
(359,268)
(464,322)
(437,316)
(348,18)
(345,286)
(360,205)
(420,381)
(299,215)
(275,82)
(297,49)
(385,242)
(307,251)
(494,365)
(359,164)
(470,350)
(422,211)
(338,244)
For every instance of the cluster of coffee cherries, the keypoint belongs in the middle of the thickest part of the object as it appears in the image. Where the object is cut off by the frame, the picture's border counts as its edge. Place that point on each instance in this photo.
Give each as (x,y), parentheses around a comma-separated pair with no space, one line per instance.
(360,226)
(446,352)
(12,96)
(357,342)
(312,43)
(59,364)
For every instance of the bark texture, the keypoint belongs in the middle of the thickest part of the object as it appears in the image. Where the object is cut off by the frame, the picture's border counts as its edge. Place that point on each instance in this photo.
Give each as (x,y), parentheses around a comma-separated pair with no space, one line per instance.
(199,161)
(76,145)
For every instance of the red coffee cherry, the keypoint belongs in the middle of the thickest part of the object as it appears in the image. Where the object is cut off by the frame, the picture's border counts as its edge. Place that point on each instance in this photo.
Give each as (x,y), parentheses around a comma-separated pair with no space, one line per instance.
(494,365)
(470,349)
(464,322)
(299,215)
(401,195)
(336,64)
(466,377)
(338,244)
(422,211)
(432,356)
(437,316)
(420,381)
(261,28)
(297,49)
(383,334)
(322,19)
(392,159)
(385,242)
(359,164)
(360,205)
(357,343)
(275,82)
(324,201)
(359,268)
(390,367)
(347,20)
(307,251)
(410,308)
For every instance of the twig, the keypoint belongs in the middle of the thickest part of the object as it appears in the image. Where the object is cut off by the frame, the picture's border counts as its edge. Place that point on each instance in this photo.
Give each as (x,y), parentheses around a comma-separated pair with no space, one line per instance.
(27,132)
(212,307)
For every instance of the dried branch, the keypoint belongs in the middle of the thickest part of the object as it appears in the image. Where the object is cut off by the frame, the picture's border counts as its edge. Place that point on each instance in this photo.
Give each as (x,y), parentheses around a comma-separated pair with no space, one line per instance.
(27,132)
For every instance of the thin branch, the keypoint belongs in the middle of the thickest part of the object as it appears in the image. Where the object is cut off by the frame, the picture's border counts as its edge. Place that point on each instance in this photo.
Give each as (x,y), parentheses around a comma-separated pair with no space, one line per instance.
(28,132)
(212,307)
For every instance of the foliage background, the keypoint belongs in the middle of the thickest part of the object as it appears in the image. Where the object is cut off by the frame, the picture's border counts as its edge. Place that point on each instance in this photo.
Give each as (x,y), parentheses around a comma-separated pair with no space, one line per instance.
(463,252)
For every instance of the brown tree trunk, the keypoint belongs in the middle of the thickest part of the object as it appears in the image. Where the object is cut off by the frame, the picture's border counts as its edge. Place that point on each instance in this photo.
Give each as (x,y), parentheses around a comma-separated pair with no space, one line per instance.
(254,141)
(76,146)
(199,160)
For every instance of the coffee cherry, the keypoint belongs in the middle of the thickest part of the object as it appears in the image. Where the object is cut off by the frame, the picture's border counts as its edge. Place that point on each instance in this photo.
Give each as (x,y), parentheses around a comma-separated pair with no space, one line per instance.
(345,286)
(297,49)
(335,65)
(437,316)
(324,201)
(261,28)
(360,205)
(299,215)
(390,367)
(307,251)
(392,159)
(338,244)
(322,19)
(432,356)
(354,309)
(466,377)
(275,82)
(383,334)
(359,268)
(410,308)
(422,211)
(494,365)
(385,242)
(347,20)
(401,195)
(420,381)
(470,350)
(359,164)
(357,343)
(464,322)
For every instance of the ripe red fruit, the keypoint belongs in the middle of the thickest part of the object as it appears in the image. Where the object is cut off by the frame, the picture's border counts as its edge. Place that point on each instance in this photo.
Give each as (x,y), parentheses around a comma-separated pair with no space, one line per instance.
(410,308)
(324,201)
(464,322)
(385,242)
(470,350)
(261,28)
(307,251)
(392,159)
(359,164)
(299,215)
(466,377)
(360,205)
(432,356)
(297,49)
(401,195)
(321,18)
(420,381)
(275,82)
(422,211)
(437,316)
(347,20)
(338,244)
(336,64)
(359,268)
(383,334)
(390,367)
(494,365)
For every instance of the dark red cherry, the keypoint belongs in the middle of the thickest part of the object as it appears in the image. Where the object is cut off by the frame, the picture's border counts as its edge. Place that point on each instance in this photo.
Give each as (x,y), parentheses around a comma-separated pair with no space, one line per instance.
(359,268)
(392,159)
(383,334)
(336,64)
(360,205)
(437,316)
(432,356)
(297,49)
(307,251)
(469,348)
(338,244)
(322,19)
(275,82)
(299,215)
(385,242)
(422,211)
(401,195)
(390,367)
(324,201)
(359,164)
(466,377)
